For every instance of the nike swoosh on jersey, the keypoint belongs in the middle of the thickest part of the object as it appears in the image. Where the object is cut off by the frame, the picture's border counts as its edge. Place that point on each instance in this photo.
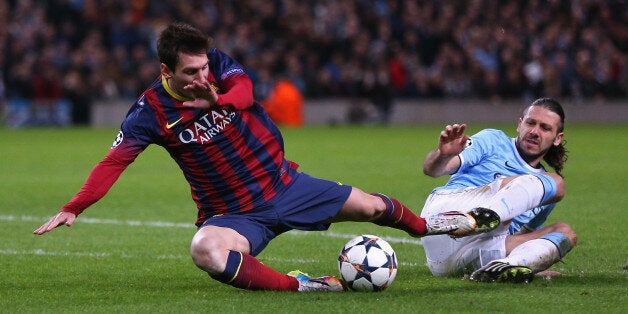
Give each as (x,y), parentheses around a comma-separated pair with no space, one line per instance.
(509,166)
(170,125)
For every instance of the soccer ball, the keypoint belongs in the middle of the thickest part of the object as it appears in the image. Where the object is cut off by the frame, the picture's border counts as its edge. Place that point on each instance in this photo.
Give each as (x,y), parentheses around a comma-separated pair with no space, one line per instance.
(367,263)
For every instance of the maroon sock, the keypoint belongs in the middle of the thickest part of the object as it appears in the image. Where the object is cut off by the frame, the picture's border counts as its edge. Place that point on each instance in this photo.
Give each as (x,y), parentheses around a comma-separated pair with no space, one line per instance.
(246,272)
(400,217)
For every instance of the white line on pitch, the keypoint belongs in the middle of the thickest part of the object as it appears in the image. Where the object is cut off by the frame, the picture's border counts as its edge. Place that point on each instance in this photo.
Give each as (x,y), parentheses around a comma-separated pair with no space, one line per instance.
(40,252)
(163,224)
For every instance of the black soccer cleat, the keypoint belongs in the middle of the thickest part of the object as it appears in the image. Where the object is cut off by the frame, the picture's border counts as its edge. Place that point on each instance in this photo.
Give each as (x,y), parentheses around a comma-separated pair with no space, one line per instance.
(485,219)
(498,271)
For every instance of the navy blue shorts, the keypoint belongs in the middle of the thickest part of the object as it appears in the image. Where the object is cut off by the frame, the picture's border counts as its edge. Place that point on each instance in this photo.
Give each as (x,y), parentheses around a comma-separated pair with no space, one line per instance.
(305,205)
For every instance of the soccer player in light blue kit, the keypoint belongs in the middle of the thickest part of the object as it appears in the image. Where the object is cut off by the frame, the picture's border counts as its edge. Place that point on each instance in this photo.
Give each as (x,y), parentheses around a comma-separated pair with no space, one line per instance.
(492,170)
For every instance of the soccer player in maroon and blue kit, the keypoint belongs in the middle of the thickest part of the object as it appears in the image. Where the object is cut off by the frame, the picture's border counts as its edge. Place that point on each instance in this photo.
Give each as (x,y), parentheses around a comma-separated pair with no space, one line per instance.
(201,110)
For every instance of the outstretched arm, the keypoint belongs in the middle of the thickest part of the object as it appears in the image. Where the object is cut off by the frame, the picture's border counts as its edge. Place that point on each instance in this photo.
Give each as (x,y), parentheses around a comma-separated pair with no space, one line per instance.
(445,160)
(100,180)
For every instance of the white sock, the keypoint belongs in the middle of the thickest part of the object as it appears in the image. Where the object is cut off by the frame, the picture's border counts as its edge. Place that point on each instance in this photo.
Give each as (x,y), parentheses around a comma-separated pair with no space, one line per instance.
(519,195)
(537,254)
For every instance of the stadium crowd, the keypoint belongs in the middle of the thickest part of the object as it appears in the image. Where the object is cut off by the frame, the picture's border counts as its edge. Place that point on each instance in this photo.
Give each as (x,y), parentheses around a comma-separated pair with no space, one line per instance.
(82,50)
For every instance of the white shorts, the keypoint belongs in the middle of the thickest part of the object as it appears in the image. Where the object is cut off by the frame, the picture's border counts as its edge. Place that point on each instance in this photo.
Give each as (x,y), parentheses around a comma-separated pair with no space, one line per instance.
(451,257)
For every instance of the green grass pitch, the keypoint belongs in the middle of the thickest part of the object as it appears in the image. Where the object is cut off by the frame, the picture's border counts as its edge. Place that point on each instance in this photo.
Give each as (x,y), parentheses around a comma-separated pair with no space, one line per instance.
(130,251)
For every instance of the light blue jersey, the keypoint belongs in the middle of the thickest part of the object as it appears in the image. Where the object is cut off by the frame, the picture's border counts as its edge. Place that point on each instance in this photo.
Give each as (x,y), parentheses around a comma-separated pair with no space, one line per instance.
(490,154)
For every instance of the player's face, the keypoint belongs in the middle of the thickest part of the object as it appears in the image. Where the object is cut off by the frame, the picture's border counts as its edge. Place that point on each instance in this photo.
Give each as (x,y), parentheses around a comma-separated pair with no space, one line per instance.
(191,67)
(537,133)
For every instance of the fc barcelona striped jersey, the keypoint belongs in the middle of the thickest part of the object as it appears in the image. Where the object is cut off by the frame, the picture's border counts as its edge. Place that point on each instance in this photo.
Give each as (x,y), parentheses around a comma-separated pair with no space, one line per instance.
(233,158)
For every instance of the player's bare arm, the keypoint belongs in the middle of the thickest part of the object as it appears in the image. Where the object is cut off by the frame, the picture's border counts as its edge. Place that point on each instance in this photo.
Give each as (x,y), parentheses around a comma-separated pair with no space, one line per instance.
(444,160)
(62,218)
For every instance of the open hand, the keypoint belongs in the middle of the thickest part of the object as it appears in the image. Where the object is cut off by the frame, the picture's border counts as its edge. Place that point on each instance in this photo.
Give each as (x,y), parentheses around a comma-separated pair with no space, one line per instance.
(62,218)
(452,140)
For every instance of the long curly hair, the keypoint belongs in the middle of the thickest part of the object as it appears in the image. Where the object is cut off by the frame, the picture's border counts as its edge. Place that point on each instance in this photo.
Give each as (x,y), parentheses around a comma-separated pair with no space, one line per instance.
(556,156)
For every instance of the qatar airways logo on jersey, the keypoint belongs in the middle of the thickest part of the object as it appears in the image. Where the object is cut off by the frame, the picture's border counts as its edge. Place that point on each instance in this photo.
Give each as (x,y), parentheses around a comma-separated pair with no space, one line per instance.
(207,126)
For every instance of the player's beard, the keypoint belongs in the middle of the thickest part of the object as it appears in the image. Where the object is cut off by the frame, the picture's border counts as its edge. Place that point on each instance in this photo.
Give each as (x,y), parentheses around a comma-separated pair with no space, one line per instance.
(529,157)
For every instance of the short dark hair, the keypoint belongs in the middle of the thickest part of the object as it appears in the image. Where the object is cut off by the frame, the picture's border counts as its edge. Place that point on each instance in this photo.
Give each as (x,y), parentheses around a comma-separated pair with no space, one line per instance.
(180,37)
(556,156)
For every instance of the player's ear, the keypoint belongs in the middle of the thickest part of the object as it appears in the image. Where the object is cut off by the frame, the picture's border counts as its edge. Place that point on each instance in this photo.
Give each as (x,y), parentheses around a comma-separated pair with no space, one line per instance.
(558,139)
(165,71)
(519,121)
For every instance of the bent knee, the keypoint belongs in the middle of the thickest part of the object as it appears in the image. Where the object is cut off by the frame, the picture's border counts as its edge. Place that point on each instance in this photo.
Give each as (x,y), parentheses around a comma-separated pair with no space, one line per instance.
(566,229)
(560,186)
(208,254)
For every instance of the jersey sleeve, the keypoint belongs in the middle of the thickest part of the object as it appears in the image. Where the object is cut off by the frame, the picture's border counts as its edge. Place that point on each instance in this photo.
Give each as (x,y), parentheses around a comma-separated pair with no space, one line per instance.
(236,88)
(98,183)
(132,139)
(239,92)
(475,151)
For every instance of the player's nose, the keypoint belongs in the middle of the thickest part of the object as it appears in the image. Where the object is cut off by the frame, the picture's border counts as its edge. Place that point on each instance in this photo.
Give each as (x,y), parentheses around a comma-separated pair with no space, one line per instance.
(199,77)
(534,131)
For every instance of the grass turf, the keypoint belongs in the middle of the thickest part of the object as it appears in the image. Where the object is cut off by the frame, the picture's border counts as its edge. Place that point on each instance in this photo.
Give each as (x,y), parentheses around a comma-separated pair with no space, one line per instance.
(129,252)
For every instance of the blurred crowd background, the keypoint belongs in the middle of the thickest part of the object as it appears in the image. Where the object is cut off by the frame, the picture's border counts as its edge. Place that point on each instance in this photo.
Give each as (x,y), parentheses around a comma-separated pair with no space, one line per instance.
(68,53)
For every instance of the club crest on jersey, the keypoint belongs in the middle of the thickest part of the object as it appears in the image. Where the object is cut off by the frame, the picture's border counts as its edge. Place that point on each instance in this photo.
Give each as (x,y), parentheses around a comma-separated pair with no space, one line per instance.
(206,127)
(214,87)
(118,139)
